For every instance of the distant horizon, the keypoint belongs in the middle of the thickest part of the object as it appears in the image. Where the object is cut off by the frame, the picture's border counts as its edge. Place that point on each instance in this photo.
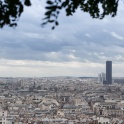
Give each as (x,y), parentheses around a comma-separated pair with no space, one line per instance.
(52,77)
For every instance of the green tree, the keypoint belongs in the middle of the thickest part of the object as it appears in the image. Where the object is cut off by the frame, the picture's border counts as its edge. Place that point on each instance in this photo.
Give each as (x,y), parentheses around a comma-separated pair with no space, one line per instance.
(11,10)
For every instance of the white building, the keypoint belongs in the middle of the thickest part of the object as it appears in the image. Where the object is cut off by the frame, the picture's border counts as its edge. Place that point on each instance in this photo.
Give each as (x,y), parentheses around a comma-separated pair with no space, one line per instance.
(101,77)
(3,116)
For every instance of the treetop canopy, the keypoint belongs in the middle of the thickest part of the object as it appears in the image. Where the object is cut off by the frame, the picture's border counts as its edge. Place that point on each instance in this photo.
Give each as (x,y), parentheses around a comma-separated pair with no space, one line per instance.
(11,10)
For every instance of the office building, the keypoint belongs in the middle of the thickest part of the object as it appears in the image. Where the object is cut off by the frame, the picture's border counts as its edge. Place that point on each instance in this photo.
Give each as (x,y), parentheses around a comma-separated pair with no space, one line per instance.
(108,72)
(101,77)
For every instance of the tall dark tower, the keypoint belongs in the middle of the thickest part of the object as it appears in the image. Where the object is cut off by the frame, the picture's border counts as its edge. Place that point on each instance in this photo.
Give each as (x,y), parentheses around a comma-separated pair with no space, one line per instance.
(108,72)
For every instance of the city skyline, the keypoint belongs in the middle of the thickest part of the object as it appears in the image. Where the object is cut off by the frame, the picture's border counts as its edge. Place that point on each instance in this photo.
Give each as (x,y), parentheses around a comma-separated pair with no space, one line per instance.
(79,46)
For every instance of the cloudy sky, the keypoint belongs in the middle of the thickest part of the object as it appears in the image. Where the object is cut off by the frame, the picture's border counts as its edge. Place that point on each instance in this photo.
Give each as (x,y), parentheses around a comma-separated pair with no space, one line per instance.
(79,46)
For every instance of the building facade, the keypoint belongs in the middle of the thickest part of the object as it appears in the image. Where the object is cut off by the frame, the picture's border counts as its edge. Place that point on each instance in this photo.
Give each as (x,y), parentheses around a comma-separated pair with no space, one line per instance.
(101,78)
(108,72)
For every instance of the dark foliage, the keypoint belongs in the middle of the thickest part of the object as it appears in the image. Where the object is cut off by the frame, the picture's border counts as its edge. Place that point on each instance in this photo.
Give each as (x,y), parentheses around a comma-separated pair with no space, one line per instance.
(11,10)
(96,8)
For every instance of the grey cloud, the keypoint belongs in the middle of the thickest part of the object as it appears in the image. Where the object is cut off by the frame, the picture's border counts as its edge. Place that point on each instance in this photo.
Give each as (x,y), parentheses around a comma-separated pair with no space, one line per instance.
(30,41)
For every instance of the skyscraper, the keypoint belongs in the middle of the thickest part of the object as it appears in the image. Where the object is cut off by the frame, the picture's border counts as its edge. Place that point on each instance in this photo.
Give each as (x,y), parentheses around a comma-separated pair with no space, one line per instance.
(108,72)
(101,77)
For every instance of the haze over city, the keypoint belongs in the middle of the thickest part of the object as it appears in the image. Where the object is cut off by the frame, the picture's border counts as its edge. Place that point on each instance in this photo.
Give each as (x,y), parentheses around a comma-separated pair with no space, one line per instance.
(79,46)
